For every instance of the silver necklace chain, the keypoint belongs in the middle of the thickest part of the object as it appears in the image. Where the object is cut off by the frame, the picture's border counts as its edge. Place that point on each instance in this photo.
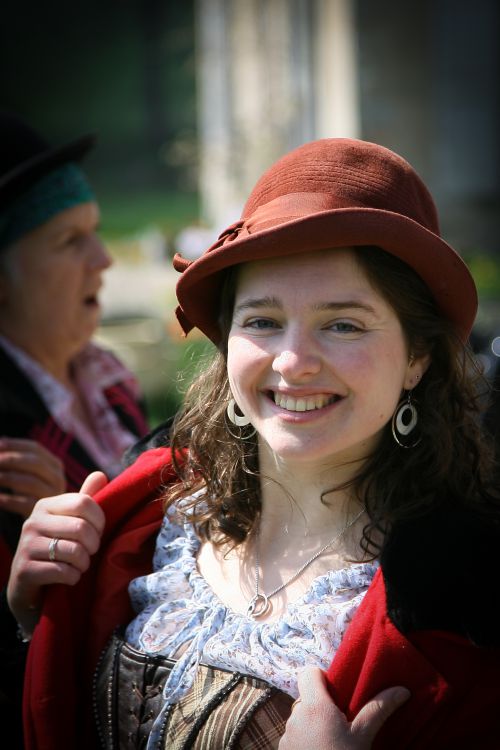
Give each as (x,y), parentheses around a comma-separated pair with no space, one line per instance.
(259,604)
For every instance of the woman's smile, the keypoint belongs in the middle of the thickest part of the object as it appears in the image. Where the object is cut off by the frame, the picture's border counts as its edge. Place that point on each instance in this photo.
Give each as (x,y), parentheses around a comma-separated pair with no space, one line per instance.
(302,403)
(301,409)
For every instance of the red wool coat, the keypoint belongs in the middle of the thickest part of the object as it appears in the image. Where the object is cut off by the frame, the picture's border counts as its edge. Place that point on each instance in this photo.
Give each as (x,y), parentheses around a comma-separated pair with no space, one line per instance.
(455,687)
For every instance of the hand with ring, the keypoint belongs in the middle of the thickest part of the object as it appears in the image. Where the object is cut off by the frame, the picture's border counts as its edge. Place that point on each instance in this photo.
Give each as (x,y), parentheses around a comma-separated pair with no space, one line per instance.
(55,546)
(316,723)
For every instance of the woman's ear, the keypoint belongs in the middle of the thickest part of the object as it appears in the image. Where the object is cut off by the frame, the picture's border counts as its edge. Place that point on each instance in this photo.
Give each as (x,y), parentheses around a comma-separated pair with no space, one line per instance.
(417,367)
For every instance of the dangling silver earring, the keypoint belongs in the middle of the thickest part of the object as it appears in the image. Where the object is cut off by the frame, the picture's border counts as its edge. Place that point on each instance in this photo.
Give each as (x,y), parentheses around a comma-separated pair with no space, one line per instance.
(239,420)
(404,421)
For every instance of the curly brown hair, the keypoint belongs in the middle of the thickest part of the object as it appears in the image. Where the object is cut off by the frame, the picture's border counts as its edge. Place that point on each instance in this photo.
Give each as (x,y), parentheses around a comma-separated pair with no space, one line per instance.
(453,459)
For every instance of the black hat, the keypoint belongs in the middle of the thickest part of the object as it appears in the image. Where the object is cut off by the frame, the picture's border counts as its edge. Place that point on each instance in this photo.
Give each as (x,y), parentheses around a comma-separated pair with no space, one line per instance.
(25,155)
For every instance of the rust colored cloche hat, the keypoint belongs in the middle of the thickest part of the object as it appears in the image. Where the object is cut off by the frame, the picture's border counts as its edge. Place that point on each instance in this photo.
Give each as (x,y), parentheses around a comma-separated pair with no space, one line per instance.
(335,192)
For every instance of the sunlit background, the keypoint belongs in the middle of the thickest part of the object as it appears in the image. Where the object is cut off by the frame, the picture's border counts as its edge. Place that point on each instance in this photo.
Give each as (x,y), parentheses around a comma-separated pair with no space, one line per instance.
(193,99)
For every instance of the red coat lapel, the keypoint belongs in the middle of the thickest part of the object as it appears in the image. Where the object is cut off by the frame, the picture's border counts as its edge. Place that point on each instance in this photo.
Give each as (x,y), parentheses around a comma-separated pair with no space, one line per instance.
(455,686)
(76,622)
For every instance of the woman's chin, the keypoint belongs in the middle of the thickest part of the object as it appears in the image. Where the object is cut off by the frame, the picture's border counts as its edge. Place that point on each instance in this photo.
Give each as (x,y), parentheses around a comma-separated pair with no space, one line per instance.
(299,452)
(318,455)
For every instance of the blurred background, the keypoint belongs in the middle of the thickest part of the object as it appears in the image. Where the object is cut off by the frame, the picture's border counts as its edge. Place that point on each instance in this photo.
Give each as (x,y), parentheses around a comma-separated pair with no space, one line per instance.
(193,99)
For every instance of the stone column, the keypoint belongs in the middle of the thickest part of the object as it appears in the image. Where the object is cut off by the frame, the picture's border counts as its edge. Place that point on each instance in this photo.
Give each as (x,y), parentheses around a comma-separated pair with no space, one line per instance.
(272,74)
(336,64)
(214,108)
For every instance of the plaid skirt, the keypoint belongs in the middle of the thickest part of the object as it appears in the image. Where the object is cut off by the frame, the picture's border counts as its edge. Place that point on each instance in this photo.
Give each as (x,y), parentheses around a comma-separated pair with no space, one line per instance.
(222,710)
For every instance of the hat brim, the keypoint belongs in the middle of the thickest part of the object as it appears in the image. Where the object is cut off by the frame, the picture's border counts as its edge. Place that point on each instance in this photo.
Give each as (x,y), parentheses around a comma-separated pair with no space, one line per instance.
(25,174)
(442,269)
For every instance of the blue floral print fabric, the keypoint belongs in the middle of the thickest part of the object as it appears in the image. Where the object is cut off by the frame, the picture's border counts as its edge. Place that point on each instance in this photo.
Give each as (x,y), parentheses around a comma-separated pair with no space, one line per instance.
(178,613)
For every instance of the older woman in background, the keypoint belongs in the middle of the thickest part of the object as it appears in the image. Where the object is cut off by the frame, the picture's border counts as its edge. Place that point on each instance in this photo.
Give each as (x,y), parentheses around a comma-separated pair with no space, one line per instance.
(67,407)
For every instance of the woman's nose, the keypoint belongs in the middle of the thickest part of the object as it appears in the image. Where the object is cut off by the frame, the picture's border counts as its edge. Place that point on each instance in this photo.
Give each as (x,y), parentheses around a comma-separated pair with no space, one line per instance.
(100,259)
(297,359)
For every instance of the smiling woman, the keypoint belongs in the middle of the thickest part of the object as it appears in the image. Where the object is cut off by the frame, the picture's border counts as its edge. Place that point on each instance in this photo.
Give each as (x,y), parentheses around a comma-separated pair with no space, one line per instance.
(327,496)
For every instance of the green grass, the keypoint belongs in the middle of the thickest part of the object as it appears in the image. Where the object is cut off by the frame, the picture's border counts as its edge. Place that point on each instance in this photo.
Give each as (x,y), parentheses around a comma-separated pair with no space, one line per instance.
(125,213)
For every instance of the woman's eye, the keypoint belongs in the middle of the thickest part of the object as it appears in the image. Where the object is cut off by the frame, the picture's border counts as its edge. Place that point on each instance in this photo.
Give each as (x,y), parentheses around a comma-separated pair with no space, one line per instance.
(69,241)
(261,324)
(343,326)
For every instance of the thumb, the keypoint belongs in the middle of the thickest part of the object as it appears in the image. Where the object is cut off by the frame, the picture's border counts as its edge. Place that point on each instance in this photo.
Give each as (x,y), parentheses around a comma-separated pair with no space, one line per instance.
(372,716)
(94,482)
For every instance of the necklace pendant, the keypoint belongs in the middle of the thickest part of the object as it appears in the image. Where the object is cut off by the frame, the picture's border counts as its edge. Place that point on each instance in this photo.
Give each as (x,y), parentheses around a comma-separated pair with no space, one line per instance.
(258,606)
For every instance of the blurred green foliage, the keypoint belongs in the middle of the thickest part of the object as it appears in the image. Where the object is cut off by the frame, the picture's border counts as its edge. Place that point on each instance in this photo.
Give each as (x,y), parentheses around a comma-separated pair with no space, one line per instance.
(125,213)
(187,360)
(486,272)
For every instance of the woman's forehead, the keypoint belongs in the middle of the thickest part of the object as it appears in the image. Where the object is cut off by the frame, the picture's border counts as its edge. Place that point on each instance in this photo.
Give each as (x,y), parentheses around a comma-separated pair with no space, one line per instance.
(322,267)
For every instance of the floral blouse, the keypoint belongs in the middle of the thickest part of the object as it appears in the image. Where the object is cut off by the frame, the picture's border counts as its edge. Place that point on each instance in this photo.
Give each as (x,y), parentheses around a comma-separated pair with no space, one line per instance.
(177,608)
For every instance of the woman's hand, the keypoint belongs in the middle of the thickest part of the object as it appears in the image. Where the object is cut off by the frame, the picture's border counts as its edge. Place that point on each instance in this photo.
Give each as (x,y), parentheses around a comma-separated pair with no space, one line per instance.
(55,546)
(317,724)
(28,471)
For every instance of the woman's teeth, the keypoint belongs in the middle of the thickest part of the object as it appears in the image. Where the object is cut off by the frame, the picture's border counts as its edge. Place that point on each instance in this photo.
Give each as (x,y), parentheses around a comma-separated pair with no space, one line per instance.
(306,403)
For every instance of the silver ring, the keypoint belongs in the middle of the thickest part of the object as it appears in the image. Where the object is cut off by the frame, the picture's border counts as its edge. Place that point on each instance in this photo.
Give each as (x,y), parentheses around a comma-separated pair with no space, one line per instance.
(295,703)
(52,549)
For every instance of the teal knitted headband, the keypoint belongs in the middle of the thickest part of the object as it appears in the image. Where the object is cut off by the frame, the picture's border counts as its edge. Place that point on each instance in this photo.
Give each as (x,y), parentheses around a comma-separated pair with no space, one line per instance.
(56,191)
